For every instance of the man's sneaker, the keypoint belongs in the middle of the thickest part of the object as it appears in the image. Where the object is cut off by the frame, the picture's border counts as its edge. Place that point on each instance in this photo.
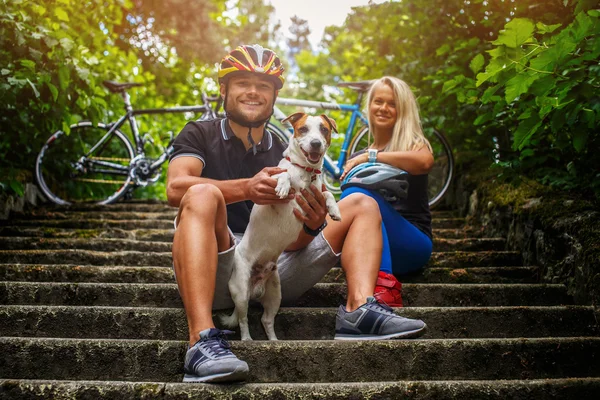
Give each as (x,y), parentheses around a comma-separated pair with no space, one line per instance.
(375,321)
(388,290)
(211,360)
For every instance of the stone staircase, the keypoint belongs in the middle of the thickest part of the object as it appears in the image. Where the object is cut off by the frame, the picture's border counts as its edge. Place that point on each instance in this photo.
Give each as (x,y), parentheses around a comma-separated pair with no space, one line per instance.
(89,310)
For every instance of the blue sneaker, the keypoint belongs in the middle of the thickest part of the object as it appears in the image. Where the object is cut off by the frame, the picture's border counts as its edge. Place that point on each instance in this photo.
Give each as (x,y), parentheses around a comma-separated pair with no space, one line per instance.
(211,360)
(375,321)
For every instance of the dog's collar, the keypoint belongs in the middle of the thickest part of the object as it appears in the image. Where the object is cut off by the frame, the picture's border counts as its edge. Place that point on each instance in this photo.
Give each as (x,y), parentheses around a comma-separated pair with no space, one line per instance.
(312,170)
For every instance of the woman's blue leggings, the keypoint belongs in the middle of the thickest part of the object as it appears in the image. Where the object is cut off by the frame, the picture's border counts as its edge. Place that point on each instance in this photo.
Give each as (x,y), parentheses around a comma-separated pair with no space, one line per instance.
(405,247)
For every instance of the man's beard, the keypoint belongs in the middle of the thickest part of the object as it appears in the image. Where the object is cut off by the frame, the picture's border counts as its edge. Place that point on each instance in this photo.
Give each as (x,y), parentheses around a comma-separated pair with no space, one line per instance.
(240,118)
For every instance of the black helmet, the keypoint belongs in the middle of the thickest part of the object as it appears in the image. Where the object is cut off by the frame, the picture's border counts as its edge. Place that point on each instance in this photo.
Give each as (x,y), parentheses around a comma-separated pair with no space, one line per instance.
(389,181)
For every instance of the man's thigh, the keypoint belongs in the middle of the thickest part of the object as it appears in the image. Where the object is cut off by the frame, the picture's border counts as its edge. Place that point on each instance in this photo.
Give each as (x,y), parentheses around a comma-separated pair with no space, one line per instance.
(302,269)
(298,271)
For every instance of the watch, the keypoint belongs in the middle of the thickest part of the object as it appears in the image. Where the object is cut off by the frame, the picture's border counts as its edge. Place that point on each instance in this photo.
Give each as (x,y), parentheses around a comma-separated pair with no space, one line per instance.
(315,232)
(373,155)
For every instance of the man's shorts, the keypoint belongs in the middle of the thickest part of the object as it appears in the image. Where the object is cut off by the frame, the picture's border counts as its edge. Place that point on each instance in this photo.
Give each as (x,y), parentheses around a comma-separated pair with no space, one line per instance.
(298,270)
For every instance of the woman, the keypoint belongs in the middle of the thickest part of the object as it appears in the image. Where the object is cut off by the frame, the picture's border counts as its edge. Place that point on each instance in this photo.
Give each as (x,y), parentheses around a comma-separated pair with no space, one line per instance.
(398,140)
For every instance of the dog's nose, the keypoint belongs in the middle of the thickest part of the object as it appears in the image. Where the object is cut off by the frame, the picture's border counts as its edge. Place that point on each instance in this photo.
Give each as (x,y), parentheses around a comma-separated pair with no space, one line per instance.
(315,144)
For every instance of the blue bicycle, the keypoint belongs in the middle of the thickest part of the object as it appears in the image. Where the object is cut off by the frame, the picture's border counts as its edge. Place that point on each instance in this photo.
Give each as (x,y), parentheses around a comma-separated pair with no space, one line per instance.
(355,139)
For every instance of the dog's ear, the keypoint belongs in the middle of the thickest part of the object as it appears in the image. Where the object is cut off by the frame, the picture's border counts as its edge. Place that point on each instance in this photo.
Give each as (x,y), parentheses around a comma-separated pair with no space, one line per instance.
(293,118)
(331,122)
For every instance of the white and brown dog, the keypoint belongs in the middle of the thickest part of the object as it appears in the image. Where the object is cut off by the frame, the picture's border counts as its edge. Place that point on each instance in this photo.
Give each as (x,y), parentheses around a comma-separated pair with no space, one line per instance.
(273,228)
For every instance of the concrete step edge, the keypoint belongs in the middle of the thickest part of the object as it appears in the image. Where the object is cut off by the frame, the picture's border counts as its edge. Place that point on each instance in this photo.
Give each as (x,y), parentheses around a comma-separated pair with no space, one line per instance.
(540,389)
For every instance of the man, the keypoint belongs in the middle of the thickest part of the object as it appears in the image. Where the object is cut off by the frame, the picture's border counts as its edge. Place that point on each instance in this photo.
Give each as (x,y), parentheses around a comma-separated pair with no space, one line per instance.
(218,170)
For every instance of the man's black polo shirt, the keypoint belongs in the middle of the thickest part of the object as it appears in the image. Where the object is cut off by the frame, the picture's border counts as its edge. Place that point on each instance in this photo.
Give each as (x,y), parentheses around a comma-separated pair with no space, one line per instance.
(225,158)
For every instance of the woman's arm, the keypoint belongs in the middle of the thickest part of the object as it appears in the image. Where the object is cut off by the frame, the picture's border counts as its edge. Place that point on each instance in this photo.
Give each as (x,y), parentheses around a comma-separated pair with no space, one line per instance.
(415,162)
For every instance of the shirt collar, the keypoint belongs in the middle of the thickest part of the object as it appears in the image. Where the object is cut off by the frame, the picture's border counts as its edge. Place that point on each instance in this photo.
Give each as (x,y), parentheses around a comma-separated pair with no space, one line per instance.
(264,145)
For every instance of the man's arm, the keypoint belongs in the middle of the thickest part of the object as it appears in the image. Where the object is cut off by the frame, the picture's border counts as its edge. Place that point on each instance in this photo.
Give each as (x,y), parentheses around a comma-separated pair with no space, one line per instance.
(184,172)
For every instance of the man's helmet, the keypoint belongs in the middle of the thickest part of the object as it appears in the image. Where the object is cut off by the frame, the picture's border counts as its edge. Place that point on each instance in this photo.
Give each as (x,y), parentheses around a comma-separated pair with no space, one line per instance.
(389,181)
(252,58)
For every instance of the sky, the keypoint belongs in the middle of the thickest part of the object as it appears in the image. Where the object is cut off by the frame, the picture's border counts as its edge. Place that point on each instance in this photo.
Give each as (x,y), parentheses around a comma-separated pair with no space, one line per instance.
(318,13)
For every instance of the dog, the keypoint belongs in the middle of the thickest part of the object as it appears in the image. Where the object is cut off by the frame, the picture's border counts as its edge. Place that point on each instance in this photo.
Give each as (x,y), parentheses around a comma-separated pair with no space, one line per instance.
(272,228)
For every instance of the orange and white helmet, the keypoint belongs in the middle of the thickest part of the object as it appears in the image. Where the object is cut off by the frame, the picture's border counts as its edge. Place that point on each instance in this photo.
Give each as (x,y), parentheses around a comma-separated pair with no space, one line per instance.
(253,58)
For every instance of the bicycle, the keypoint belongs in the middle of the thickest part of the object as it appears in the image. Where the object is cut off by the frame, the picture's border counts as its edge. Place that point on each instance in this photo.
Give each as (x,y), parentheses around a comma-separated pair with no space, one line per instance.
(440,176)
(98,163)
(66,176)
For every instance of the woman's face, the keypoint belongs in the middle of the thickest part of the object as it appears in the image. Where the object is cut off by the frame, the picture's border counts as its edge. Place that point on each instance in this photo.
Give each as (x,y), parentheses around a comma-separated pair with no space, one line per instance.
(382,109)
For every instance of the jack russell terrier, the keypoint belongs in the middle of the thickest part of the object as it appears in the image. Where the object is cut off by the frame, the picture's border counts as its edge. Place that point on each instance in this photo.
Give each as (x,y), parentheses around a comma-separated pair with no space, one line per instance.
(272,228)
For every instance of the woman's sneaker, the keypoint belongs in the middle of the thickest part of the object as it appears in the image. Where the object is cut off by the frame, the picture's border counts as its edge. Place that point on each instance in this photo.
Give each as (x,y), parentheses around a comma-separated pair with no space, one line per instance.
(211,360)
(375,321)
(388,290)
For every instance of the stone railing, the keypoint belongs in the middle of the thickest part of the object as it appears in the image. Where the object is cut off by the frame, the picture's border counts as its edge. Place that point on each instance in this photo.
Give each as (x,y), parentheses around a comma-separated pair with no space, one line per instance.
(557,232)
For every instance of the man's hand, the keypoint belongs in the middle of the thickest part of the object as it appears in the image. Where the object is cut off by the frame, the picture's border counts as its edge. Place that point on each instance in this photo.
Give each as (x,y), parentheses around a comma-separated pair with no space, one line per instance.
(260,189)
(313,204)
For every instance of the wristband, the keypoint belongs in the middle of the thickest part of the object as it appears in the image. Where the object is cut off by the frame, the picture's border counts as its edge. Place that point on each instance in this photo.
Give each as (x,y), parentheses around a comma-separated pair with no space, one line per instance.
(314,232)
(372,155)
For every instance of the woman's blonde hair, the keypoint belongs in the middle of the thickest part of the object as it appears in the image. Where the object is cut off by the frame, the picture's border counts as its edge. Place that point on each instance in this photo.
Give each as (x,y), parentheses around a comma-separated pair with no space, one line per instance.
(408,134)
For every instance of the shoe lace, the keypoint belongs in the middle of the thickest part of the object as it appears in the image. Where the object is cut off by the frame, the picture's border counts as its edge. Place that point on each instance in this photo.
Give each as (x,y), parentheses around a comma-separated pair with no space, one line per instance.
(383,305)
(218,344)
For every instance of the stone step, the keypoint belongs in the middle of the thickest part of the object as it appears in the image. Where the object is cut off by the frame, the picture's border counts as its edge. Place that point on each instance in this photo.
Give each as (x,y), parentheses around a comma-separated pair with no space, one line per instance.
(308,361)
(539,389)
(457,259)
(168,215)
(125,274)
(119,244)
(459,233)
(96,221)
(322,295)
(164,235)
(428,275)
(293,323)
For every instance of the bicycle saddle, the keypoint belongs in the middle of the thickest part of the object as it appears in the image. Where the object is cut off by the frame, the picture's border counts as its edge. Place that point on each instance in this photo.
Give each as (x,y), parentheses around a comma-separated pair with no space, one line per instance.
(361,86)
(116,87)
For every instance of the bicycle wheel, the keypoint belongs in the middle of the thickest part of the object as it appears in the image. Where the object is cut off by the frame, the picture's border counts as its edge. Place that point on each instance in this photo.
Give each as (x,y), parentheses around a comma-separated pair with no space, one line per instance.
(66,176)
(442,172)
(331,183)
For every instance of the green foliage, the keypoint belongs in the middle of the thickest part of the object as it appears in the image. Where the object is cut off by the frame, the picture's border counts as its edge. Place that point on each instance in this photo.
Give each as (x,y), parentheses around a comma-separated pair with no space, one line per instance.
(54,56)
(516,82)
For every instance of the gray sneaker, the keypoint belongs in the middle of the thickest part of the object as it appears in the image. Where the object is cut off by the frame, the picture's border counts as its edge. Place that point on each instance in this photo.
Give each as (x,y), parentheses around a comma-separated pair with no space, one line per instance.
(375,321)
(211,360)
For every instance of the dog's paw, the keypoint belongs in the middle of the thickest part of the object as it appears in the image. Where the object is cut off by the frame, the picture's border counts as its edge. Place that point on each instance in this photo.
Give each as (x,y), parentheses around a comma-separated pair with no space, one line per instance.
(283,188)
(334,213)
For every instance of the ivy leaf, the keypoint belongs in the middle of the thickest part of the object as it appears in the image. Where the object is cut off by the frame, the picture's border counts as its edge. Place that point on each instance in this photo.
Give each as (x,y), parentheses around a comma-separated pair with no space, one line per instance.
(547,60)
(525,130)
(5,71)
(581,27)
(483,118)
(28,64)
(442,50)
(17,187)
(477,63)
(543,28)
(66,44)
(580,139)
(35,91)
(516,32)
(61,14)
(518,85)
(53,90)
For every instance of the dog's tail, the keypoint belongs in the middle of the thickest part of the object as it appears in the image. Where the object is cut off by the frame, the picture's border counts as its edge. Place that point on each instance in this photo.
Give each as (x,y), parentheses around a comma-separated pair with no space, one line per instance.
(230,321)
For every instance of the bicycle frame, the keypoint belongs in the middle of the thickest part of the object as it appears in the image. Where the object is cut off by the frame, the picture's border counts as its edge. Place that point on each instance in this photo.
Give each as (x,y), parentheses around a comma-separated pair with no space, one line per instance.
(139,142)
(332,166)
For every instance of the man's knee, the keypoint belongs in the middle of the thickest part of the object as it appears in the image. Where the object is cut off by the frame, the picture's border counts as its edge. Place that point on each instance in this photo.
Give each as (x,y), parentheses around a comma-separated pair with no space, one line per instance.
(202,199)
(359,204)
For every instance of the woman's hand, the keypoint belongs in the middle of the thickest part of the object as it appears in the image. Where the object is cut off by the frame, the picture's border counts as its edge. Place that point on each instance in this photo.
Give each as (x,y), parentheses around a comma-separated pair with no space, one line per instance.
(353,162)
